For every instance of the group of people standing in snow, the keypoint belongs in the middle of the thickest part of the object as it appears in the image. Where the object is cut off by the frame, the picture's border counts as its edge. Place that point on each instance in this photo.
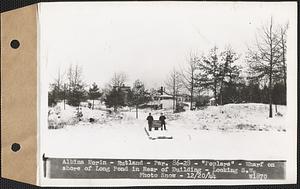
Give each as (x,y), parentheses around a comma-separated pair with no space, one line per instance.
(162,120)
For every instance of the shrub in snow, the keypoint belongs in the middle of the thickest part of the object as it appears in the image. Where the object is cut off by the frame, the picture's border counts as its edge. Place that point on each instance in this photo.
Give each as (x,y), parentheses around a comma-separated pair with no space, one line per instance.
(54,120)
(243,126)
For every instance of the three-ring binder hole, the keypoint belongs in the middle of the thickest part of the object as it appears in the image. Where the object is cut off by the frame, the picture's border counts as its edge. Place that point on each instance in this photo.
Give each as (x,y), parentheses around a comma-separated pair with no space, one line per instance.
(14,44)
(15,147)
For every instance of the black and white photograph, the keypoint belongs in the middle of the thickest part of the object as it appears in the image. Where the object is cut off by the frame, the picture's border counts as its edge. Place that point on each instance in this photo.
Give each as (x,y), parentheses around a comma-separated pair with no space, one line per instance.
(167,93)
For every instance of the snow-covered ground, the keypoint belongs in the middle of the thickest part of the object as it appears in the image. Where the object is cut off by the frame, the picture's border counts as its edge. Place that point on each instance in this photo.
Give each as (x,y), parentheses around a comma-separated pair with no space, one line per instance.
(230,117)
(238,131)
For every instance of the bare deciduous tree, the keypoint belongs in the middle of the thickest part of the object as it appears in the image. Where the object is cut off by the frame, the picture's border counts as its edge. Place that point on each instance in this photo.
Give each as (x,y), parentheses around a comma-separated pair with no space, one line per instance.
(188,77)
(264,57)
(74,75)
(283,49)
(174,86)
(118,79)
(76,91)
(139,95)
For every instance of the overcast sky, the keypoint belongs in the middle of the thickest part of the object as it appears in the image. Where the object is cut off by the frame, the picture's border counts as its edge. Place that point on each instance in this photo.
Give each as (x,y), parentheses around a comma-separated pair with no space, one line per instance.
(146,40)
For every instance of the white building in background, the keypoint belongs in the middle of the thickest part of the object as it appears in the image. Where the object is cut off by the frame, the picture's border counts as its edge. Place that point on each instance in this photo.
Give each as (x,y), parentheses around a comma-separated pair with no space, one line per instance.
(166,101)
(212,102)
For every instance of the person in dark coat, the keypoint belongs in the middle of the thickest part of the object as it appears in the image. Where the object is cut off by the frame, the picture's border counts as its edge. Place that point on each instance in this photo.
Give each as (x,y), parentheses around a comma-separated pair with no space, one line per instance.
(150,121)
(162,119)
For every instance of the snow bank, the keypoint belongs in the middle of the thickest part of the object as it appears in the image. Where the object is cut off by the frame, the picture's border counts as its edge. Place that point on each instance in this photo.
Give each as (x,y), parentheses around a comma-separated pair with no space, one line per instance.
(230,117)
(65,115)
(231,131)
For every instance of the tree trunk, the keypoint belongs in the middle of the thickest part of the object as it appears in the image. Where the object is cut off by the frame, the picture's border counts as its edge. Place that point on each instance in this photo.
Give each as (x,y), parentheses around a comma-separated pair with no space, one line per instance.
(136,112)
(215,93)
(93,105)
(174,97)
(270,96)
(283,59)
(191,101)
(192,92)
(174,106)
(271,73)
(284,79)
(221,94)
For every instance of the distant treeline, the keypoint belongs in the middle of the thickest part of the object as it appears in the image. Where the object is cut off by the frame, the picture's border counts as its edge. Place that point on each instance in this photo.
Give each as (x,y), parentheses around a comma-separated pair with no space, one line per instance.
(259,78)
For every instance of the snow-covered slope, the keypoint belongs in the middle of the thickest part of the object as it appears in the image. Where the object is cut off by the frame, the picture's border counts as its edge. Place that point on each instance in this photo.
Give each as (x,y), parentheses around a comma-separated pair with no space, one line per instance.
(230,117)
(229,131)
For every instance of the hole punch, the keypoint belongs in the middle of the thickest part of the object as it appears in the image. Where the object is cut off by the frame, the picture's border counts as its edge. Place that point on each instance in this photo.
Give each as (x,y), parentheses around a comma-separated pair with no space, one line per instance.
(15,147)
(14,44)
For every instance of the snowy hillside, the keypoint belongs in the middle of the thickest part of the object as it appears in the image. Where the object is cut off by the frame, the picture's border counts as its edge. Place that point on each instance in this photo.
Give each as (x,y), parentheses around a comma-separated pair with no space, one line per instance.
(230,117)
(243,130)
